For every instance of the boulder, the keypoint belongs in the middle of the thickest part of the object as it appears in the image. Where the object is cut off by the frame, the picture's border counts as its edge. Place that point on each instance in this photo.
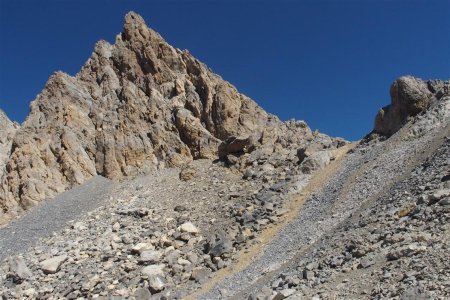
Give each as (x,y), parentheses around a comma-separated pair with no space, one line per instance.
(52,265)
(189,228)
(18,268)
(236,146)
(315,161)
(153,270)
(409,96)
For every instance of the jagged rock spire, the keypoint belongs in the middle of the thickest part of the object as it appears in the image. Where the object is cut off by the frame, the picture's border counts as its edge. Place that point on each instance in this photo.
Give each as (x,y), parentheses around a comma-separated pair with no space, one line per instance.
(135,106)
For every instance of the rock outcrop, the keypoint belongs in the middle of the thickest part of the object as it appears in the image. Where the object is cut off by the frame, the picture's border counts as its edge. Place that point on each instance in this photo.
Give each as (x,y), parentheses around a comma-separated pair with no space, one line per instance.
(7,132)
(409,97)
(135,106)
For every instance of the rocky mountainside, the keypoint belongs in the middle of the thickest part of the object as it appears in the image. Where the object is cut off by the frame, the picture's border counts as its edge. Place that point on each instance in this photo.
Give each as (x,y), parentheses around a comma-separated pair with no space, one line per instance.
(370,224)
(137,106)
(7,132)
(213,198)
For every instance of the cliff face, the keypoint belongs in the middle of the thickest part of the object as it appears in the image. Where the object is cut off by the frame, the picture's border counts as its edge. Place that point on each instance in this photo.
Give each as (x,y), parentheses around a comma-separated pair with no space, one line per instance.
(135,106)
(7,132)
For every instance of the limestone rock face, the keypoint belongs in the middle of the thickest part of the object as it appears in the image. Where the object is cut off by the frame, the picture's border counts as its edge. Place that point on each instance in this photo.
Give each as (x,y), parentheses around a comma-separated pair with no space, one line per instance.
(137,105)
(409,97)
(7,132)
(134,107)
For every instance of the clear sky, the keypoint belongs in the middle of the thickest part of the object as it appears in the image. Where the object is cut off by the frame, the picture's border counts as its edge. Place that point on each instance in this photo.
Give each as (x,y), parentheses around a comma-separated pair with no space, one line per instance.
(327,62)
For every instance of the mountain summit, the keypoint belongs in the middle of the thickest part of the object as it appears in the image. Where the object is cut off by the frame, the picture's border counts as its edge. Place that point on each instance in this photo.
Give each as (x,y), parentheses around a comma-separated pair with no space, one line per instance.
(134,107)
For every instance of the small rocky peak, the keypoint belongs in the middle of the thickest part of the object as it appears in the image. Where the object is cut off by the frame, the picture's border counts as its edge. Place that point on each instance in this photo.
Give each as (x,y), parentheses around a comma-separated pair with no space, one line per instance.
(133,18)
(134,26)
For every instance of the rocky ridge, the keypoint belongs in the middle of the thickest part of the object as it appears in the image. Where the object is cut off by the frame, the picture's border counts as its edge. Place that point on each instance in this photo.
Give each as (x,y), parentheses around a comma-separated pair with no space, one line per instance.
(137,106)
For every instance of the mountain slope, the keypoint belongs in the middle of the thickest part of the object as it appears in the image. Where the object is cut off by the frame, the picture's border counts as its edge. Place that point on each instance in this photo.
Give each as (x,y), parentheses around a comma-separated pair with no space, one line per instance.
(134,107)
(369,229)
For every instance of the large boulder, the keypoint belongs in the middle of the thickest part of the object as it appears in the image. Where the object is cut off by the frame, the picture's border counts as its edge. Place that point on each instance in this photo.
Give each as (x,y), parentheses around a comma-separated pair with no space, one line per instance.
(236,146)
(409,96)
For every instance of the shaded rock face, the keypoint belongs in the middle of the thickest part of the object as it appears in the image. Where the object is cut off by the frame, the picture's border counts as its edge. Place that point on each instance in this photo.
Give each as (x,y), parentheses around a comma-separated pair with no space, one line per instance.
(7,132)
(409,97)
(135,106)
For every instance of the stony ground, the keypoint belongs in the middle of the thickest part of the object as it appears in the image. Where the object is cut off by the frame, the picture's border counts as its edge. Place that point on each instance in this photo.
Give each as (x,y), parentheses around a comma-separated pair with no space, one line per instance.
(365,176)
(163,234)
(395,246)
(149,238)
(53,215)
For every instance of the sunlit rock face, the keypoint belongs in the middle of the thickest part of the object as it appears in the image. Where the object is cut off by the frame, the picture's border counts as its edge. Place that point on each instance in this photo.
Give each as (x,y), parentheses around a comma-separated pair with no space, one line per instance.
(7,132)
(135,106)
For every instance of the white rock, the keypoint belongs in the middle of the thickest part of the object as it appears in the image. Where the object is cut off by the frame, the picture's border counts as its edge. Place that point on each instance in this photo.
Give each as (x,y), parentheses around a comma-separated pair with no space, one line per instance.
(183,262)
(153,270)
(51,265)
(79,226)
(440,194)
(188,227)
(138,248)
(150,256)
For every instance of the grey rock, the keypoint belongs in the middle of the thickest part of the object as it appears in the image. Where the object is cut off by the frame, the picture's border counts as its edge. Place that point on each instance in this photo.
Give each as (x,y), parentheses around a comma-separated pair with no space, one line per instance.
(156,283)
(407,250)
(409,97)
(224,245)
(366,262)
(316,161)
(200,274)
(283,294)
(142,294)
(436,196)
(18,267)
(308,275)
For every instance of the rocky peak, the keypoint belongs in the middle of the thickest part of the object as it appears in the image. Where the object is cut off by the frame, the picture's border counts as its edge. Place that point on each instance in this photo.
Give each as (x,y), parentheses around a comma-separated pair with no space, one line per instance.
(135,27)
(136,106)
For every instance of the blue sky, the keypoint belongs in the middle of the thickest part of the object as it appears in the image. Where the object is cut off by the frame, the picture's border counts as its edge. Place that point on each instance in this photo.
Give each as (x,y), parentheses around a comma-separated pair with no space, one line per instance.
(327,62)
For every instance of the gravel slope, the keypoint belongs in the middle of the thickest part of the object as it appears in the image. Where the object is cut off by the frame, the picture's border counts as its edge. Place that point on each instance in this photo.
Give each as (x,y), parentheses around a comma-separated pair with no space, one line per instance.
(365,174)
(52,216)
